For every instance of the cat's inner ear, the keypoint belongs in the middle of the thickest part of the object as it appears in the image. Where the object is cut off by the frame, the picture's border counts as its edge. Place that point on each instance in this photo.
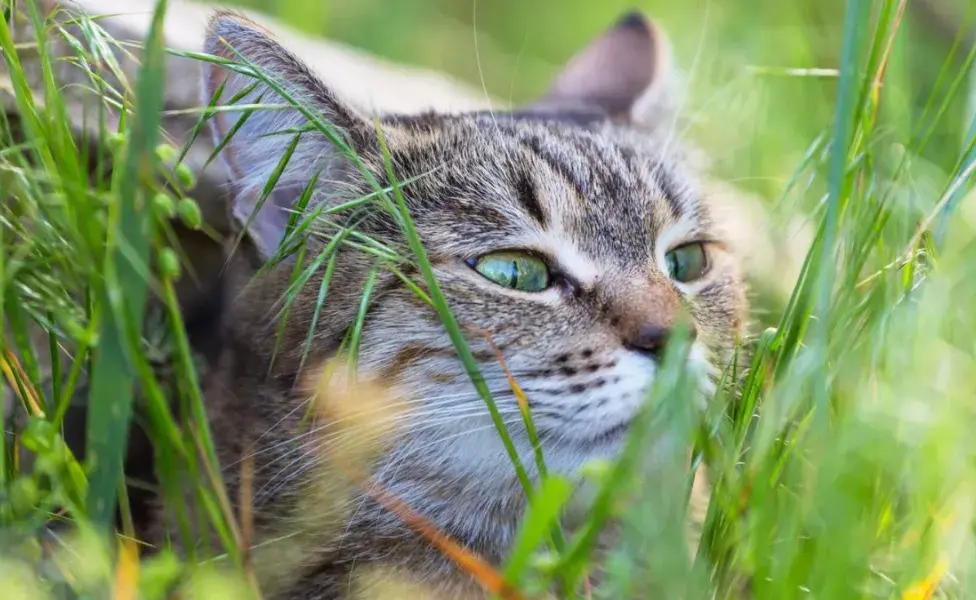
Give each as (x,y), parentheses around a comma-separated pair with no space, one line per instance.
(256,139)
(625,73)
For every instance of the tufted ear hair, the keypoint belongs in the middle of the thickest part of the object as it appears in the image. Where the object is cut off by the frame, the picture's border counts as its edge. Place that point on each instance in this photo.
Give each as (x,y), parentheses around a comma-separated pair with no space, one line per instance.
(257,139)
(626,73)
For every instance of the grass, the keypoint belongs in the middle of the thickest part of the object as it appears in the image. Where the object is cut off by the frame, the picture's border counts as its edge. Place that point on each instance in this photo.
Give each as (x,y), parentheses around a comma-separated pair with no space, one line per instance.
(839,452)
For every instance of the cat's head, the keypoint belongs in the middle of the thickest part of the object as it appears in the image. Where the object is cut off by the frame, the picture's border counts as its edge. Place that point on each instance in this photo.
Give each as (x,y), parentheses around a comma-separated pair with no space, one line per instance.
(569,233)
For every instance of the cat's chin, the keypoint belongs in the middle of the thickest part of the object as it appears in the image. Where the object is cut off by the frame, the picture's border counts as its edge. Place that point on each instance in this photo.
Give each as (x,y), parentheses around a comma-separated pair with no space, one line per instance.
(608,440)
(573,454)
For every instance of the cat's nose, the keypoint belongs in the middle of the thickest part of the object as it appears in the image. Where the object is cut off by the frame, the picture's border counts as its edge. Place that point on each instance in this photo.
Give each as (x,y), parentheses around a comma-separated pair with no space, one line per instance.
(645,314)
(649,338)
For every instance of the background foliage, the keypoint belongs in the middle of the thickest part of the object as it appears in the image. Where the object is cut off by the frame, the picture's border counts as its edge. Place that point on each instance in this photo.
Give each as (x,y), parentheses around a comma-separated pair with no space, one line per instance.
(841,451)
(755,120)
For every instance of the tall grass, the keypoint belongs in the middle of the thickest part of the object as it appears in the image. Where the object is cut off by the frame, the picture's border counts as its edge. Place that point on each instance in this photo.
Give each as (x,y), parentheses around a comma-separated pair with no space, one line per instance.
(839,449)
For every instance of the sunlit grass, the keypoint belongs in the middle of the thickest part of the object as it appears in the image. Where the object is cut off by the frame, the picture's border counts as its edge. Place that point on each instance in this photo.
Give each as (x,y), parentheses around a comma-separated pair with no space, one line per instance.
(839,449)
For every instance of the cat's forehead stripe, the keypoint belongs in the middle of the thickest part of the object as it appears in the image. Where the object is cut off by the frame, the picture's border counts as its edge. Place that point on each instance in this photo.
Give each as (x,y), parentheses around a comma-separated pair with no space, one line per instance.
(558,160)
(528,198)
(670,190)
(612,192)
(595,166)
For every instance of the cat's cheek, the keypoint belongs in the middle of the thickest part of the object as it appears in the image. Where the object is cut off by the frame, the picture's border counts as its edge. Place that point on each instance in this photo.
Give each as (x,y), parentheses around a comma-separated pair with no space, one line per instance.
(716,305)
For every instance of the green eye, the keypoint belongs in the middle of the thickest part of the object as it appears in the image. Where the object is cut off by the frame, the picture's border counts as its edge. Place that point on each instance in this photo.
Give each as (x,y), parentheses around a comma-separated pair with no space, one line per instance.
(513,270)
(687,263)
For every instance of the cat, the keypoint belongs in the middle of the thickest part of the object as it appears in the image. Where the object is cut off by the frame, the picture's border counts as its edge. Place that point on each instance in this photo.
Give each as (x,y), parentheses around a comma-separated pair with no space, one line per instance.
(568,237)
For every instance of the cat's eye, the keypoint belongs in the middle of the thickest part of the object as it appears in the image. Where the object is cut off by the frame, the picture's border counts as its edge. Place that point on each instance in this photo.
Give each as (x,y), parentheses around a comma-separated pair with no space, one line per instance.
(513,270)
(687,263)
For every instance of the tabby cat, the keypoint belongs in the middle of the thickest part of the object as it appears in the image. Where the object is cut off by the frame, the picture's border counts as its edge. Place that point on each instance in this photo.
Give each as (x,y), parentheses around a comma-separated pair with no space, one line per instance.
(568,238)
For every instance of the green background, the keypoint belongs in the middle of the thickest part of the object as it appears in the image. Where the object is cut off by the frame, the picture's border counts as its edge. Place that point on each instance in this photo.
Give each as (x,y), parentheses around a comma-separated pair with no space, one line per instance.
(755,121)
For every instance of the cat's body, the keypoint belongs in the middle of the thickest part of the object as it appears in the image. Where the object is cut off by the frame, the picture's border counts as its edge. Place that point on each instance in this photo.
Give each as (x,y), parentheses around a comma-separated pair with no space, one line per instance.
(610,241)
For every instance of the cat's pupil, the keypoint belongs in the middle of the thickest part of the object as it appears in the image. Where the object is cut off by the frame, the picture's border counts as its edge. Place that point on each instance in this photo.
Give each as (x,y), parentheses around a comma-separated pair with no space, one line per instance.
(514,274)
(673,269)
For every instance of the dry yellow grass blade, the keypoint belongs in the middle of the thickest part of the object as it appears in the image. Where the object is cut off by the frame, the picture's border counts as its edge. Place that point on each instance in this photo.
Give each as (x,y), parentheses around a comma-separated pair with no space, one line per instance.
(372,410)
(944,521)
(356,404)
(9,364)
(523,401)
(924,589)
(487,576)
(126,571)
(246,517)
(882,69)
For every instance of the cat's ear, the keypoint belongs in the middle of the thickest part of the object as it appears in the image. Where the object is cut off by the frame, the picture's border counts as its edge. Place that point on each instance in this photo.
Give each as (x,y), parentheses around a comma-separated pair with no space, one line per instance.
(625,73)
(257,139)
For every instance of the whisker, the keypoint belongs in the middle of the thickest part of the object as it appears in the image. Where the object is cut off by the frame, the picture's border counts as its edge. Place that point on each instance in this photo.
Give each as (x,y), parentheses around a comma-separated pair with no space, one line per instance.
(279,422)
(401,455)
(399,459)
(320,448)
(444,417)
(428,404)
(285,475)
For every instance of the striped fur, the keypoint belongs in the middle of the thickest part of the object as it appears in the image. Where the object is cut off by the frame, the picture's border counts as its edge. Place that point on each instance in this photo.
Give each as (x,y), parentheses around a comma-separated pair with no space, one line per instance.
(596,193)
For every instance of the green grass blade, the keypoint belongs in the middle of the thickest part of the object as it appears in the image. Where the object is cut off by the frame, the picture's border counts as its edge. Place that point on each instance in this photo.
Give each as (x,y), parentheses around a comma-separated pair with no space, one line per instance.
(450,323)
(111,393)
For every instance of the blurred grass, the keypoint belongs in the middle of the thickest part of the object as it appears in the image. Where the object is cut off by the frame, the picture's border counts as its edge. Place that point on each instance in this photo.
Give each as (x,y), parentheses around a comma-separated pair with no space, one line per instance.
(841,461)
(754,120)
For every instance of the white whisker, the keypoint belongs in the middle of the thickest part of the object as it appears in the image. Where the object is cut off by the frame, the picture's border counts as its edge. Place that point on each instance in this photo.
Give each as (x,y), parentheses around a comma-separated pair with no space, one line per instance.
(328,445)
